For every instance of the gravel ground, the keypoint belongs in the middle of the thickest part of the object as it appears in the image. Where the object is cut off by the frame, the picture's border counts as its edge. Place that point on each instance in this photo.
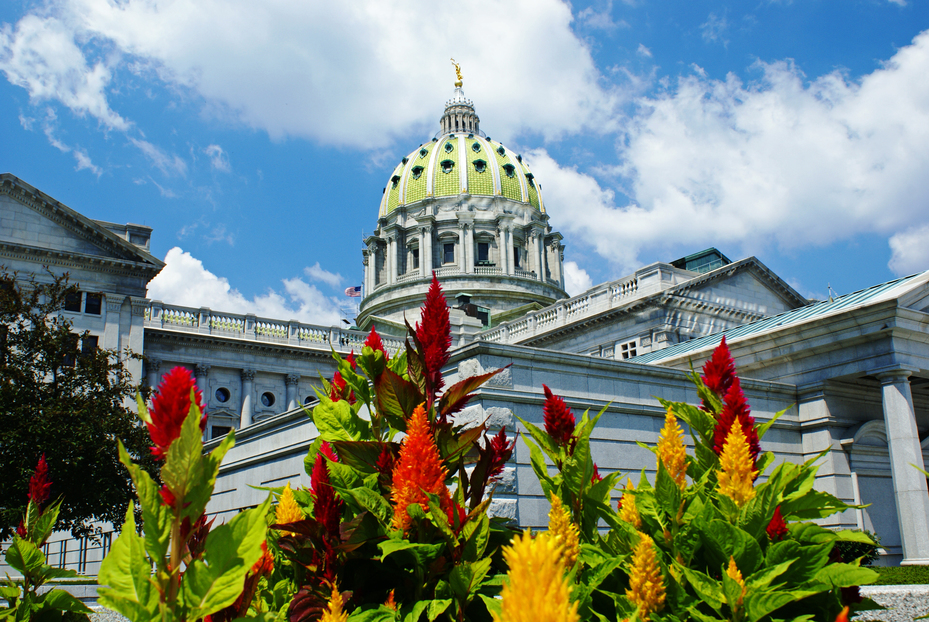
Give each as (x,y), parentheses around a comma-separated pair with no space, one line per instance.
(904,602)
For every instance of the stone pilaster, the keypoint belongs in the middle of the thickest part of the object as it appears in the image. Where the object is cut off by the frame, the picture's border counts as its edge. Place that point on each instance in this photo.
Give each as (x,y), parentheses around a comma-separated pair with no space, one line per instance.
(291,381)
(910,491)
(202,373)
(152,367)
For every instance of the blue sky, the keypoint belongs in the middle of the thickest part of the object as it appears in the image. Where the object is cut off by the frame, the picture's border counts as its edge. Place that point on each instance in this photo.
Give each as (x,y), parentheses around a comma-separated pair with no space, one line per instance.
(256,138)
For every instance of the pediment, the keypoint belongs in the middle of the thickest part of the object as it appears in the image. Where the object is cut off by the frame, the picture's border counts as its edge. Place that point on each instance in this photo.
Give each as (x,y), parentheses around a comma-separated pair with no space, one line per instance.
(36,222)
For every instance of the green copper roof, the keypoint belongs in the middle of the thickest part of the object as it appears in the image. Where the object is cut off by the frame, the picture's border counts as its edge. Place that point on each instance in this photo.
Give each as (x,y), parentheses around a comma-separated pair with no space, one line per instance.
(460,163)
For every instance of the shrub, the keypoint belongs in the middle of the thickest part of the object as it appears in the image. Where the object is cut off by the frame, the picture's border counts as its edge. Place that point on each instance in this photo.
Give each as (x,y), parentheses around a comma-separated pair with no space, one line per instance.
(867,551)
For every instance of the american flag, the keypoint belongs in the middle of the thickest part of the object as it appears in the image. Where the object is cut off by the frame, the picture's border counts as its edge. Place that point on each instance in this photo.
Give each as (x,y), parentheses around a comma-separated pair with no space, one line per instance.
(353,292)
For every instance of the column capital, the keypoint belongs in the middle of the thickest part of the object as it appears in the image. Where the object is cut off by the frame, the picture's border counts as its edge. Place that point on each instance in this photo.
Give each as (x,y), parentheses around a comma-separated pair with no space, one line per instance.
(894,374)
(248,375)
(153,364)
(202,369)
(292,379)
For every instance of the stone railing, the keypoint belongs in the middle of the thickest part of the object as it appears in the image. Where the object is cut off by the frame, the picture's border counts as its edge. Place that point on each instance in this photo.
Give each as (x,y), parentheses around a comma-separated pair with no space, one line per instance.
(208,322)
(568,311)
(447,271)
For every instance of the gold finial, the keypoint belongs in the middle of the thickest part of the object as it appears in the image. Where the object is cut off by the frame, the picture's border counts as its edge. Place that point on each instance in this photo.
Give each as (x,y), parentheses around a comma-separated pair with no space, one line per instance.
(458,82)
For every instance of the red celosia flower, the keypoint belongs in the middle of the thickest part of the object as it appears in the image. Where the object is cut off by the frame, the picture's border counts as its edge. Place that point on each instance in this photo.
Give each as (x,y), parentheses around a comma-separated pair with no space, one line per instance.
(451,511)
(327,505)
(351,360)
(501,449)
(735,407)
(167,496)
(39,484)
(719,371)
(435,337)
(385,462)
(338,389)
(777,528)
(21,530)
(559,420)
(170,406)
(374,342)
(596,477)
(418,470)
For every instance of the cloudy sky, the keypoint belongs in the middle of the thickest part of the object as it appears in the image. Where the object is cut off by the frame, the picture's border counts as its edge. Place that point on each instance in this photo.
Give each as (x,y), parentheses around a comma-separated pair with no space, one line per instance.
(256,137)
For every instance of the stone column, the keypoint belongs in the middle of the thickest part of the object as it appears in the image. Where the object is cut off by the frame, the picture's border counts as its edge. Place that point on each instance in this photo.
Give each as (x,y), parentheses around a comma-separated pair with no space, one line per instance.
(365,282)
(391,260)
(152,367)
(544,260)
(910,491)
(202,373)
(292,380)
(501,249)
(461,247)
(469,249)
(422,251)
(427,258)
(540,249)
(508,235)
(248,387)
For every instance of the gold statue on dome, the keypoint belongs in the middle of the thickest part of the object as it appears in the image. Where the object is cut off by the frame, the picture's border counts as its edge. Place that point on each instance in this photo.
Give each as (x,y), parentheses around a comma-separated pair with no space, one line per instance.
(458,82)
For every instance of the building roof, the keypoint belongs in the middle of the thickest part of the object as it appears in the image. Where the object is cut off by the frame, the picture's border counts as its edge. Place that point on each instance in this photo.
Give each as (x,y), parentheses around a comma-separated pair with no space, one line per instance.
(808,313)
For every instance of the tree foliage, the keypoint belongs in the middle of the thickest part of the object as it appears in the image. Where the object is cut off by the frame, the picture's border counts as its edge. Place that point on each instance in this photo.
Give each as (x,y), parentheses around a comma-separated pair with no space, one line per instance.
(65,403)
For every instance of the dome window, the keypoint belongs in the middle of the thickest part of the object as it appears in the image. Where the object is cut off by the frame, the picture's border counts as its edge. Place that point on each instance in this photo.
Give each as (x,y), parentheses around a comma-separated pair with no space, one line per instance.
(529,178)
(449,147)
(480,166)
(417,172)
(447,166)
(501,150)
(519,158)
(423,153)
(476,147)
(510,170)
(394,181)
(404,160)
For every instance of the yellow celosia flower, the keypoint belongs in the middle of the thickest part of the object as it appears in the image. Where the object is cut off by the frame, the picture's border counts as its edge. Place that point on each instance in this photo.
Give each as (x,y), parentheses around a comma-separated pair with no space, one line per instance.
(287,509)
(565,532)
(628,511)
(646,585)
(671,452)
(334,613)
(736,575)
(536,589)
(737,474)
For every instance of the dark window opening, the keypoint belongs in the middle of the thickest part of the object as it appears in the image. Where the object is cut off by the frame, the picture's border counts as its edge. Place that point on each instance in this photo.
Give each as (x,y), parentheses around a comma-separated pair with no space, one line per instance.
(483,251)
(480,166)
(449,147)
(89,344)
(222,395)
(448,255)
(219,431)
(476,147)
(309,400)
(93,304)
(417,172)
(404,160)
(530,177)
(267,399)
(394,181)
(501,150)
(510,170)
(415,254)
(423,153)
(519,158)
(70,348)
(447,166)
(516,256)
(73,302)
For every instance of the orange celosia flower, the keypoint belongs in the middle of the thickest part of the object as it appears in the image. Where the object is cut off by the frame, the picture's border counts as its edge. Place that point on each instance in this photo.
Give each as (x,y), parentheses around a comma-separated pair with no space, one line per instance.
(390,603)
(628,511)
(843,615)
(736,575)
(333,612)
(536,589)
(737,474)
(671,450)
(287,509)
(646,584)
(418,470)
(565,532)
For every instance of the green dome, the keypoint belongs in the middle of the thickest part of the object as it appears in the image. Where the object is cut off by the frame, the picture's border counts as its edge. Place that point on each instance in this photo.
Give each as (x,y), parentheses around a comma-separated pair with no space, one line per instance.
(460,163)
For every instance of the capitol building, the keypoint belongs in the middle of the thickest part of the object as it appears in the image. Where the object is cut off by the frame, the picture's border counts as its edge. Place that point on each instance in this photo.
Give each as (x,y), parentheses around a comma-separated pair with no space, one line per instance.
(852,372)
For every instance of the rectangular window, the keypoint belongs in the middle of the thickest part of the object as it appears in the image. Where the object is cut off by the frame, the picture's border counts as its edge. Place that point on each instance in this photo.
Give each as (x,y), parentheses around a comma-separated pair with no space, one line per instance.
(93,303)
(483,251)
(448,255)
(628,350)
(89,344)
(219,431)
(67,360)
(73,302)
(516,257)
(415,253)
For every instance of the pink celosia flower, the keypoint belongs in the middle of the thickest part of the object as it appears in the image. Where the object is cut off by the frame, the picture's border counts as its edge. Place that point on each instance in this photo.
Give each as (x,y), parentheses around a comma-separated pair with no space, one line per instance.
(39,483)
(170,406)
(559,420)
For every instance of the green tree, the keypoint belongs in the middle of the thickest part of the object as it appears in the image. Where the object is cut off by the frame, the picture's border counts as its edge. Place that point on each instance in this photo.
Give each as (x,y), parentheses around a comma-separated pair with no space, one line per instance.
(63,397)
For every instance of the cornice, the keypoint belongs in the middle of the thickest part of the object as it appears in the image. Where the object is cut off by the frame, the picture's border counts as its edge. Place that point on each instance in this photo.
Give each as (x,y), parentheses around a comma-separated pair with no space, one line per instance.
(230,344)
(65,259)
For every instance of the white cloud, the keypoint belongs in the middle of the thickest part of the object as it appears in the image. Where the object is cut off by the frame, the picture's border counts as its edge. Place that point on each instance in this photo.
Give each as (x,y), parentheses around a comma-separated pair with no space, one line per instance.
(644,51)
(84,162)
(41,56)
(782,161)
(576,279)
(329,71)
(219,160)
(317,273)
(167,164)
(185,282)
(910,250)
(713,28)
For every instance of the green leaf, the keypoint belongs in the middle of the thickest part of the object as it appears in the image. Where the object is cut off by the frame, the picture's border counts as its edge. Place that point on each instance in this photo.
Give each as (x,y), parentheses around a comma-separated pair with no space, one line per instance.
(183,467)
(437,607)
(396,398)
(336,421)
(845,575)
(25,557)
(374,503)
(45,523)
(723,540)
(456,395)
(378,614)
(422,554)
(415,612)
(494,606)
(764,427)
(155,515)
(63,601)
(125,576)
(667,492)
(709,591)
(761,603)
(543,439)
(465,579)
(476,534)
(215,581)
